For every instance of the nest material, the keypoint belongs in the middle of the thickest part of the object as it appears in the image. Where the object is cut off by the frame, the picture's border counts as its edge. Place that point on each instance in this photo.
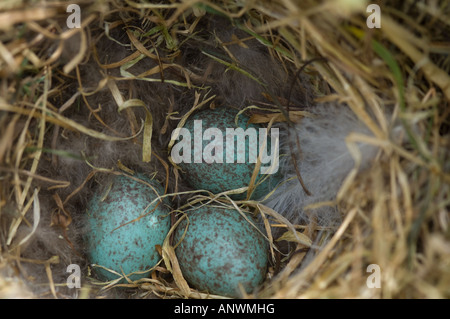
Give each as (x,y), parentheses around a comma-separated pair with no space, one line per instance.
(61,90)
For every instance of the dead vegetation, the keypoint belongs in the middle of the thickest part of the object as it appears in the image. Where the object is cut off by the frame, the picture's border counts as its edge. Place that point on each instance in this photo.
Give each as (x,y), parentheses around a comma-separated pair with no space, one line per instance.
(395,215)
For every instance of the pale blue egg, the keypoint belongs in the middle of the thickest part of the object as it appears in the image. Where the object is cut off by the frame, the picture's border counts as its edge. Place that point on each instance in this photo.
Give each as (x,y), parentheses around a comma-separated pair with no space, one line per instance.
(220,251)
(124,226)
(207,161)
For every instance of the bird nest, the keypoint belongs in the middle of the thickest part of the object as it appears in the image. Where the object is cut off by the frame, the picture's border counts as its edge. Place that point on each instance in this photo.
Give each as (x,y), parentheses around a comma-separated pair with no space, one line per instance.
(88,97)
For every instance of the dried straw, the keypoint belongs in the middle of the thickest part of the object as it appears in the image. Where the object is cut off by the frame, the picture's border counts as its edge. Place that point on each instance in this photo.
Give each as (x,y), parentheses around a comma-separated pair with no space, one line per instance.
(395,215)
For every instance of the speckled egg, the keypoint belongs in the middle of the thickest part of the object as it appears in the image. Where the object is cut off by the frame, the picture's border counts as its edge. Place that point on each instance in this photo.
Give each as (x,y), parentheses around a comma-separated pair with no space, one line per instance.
(221,250)
(117,238)
(207,163)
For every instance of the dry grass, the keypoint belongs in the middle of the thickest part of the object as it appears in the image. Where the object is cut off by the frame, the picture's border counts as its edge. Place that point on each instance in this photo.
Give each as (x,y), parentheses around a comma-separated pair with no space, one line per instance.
(395,215)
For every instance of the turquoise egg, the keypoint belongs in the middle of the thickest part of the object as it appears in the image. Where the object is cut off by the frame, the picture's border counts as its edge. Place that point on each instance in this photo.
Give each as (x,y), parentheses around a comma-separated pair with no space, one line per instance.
(220,251)
(207,163)
(116,240)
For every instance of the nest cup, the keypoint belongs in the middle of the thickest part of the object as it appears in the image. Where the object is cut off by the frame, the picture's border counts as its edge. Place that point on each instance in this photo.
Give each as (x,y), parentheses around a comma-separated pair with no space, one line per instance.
(359,92)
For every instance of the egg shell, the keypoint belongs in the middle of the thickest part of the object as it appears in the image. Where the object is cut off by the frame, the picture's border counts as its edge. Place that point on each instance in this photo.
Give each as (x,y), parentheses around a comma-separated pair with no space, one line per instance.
(220,177)
(113,240)
(221,250)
